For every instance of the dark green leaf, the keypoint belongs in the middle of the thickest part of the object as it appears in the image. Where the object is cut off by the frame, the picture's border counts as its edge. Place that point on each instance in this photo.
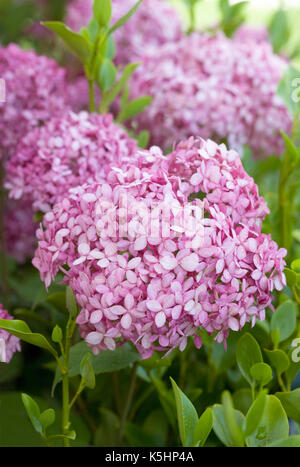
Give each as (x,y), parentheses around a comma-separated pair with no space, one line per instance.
(247,354)
(186,414)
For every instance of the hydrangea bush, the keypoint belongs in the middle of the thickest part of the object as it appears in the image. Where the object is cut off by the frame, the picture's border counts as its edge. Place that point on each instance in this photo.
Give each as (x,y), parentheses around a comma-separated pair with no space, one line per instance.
(150,243)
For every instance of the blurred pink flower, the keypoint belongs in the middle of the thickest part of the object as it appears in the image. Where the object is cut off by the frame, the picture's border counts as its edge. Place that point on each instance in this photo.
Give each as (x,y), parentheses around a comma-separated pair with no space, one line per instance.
(9,344)
(36,90)
(68,151)
(154,23)
(214,87)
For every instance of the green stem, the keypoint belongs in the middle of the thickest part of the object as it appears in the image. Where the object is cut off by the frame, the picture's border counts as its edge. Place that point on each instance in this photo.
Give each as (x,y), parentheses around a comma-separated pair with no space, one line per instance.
(128,401)
(92,96)
(65,408)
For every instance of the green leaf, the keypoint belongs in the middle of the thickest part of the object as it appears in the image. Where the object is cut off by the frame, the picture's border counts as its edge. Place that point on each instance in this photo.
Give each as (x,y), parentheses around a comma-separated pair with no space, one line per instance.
(284,319)
(111,95)
(220,425)
(234,428)
(262,373)
(87,371)
(186,414)
(279,30)
(47,418)
(124,18)
(278,359)
(273,425)
(255,414)
(102,12)
(143,139)
(71,302)
(247,354)
(296,265)
(291,276)
(57,335)
(21,330)
(107,75)
(291,403)
(76,43)
(289,90)
(291,442)
(105,362)
(134,107)
(294,358)
(203,428)
(33,412)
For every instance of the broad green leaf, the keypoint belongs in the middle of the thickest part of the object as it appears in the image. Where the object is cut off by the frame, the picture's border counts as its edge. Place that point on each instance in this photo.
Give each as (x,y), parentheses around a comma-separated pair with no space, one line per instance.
(134,107)
(186,414)
(296,265)
(291,442)
(124,18)
(255,414)
(262,373)
(291,277)
(279,30)
(87,371)
(231,420)
(21,330)
(220,426)
(203,428)
(273,425)
(242,400)
(47,418)
(278,359)
(294,358)
(33,412)
(107,75)
(291,403)
(111,95)
(143,139)
(247,354)
(106,361)
(102,12)
(289,89)
(76,43)
(284,319)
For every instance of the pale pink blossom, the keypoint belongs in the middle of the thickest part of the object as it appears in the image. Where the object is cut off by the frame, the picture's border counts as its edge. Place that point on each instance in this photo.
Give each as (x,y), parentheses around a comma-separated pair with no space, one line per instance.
(9,344)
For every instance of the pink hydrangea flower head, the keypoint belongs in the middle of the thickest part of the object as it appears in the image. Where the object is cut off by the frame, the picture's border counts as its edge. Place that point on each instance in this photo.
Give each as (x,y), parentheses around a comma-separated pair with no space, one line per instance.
(9,344)
(246,33)
(149,265)
(20,229)
(66,152)
(36,90)
(153,24)
(213,87)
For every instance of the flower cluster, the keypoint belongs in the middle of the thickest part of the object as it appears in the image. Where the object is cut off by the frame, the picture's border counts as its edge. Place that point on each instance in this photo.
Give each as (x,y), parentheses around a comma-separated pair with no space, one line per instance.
(36,90)
(214,87)
(248,34)
(9,344)
(154,23)
(144,265)
(66,152)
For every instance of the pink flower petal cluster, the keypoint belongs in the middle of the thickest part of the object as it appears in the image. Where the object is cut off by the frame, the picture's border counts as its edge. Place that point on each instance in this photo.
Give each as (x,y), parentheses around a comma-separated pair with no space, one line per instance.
(214,87)
(20,229)
(36,90)
(153,24)
(143,272)
(246,33)
(67,151)
(9,344)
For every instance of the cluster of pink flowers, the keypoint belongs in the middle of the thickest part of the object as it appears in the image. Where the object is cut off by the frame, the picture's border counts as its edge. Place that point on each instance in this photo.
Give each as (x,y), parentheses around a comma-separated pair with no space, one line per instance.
(36,90)
(9,344)
(154,23)
(246,33)
(156,279)
(214,87)
(66,152)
